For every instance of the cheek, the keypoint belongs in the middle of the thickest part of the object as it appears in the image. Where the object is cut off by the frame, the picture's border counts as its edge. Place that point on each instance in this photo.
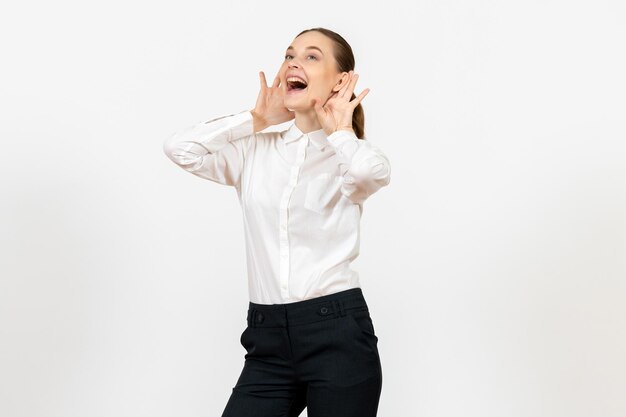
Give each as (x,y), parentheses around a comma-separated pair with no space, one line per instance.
(321,87)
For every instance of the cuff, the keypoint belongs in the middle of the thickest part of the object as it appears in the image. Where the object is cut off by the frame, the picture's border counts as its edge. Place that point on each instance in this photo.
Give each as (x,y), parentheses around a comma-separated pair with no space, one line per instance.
(340,137)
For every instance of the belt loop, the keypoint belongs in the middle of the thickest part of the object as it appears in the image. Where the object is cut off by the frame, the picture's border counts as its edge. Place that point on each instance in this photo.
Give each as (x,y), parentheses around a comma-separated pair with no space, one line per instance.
(253,318)
(341,308)
(338,307)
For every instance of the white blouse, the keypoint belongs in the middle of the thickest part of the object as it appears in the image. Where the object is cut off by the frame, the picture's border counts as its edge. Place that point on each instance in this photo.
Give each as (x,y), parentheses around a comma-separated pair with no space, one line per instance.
(301,197)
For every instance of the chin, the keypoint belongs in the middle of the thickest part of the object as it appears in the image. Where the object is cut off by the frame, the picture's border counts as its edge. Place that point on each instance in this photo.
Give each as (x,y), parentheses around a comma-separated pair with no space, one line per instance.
(302,103)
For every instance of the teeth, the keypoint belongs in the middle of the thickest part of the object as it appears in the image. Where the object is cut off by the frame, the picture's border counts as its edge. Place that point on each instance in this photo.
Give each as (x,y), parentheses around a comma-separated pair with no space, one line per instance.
(296,79)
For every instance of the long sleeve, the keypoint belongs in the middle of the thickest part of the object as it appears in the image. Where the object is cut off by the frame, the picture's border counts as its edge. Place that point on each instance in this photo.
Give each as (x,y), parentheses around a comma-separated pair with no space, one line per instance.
(215,149)
(364,166)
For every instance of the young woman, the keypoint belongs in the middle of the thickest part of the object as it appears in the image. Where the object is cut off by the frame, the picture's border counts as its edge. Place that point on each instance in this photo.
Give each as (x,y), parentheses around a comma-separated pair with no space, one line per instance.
(309,339)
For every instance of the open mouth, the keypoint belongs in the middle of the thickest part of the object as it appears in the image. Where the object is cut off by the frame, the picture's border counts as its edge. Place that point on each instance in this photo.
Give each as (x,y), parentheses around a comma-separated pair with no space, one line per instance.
(295,84)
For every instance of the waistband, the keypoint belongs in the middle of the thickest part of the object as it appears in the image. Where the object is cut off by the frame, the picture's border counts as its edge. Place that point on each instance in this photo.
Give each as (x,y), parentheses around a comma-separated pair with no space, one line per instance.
(310,310)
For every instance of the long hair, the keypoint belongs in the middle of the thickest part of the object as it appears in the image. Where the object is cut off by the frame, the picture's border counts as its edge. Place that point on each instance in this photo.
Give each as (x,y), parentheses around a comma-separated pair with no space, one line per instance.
(345,62)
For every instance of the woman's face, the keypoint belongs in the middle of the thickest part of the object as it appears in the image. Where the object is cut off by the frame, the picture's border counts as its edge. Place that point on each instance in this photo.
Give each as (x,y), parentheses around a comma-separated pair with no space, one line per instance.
(310,57)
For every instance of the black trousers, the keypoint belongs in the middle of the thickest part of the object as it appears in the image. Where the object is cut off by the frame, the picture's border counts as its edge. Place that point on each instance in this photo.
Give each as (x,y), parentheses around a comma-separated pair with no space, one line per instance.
(320,353)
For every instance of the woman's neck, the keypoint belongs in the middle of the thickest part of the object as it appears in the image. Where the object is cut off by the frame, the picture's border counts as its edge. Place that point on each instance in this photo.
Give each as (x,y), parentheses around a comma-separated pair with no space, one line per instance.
(307,121)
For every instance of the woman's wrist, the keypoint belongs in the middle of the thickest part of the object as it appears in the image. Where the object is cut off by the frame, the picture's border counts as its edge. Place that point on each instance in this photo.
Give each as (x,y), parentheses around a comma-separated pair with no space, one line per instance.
(346,128)
(258,122)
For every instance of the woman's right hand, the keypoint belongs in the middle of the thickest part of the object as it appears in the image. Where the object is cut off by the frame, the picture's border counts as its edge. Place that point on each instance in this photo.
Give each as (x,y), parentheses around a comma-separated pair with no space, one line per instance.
(270,109)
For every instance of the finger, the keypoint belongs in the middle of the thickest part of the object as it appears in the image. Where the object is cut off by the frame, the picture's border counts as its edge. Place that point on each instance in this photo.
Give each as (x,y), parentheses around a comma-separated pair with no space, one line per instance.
(351,85)
(342,91)
(358,99)
(316,106)
(276,80)
(333,95)
(262,79)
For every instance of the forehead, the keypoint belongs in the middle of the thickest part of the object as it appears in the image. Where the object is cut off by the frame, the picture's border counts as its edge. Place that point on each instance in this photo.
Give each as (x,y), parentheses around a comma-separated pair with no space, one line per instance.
(312,38)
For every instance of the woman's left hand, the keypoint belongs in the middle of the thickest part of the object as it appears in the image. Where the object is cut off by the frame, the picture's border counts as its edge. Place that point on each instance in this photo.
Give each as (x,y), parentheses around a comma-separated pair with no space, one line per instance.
(336,113)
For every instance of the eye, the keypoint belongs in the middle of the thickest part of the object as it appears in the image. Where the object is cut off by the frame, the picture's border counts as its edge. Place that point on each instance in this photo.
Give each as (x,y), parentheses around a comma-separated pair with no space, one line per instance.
(287,56)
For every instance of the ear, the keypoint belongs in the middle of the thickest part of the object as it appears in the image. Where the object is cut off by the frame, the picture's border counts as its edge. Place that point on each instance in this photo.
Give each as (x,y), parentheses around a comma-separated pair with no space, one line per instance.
(341,82)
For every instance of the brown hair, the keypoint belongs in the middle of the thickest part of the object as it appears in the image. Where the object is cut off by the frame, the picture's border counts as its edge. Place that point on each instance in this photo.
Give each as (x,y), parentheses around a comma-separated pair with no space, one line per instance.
(345,62)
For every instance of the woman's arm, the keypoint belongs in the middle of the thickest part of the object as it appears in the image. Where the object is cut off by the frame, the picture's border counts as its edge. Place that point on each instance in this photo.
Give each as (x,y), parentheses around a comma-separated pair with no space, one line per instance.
(215,149)
(364,166)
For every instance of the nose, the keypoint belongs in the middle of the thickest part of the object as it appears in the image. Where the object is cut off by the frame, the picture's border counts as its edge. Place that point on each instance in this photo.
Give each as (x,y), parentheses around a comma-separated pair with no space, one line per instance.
(293,62)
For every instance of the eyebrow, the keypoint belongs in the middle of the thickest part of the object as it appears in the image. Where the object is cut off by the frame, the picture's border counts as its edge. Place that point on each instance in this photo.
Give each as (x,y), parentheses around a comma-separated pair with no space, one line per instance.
(308,47)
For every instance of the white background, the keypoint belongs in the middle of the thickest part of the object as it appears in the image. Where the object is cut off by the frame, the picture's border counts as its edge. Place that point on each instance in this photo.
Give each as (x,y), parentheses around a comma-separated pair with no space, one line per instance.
(494,263)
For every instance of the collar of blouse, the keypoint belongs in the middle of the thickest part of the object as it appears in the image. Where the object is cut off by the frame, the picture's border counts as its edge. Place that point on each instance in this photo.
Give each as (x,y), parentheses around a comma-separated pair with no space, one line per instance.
(317,137)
